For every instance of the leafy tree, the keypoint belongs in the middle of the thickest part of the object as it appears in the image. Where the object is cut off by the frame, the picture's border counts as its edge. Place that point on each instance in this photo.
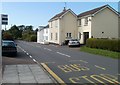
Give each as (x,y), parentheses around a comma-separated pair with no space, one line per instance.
(7,36)
(33,38)
(14,30)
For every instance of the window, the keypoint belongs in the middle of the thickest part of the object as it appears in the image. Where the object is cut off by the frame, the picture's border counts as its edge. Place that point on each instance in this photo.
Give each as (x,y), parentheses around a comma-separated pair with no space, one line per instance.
(56,24)
(69,35)
(51,36)
(56,36)
(79,22)
(51,24)
(79,35)
(46,30)
(46,37)
(86,21)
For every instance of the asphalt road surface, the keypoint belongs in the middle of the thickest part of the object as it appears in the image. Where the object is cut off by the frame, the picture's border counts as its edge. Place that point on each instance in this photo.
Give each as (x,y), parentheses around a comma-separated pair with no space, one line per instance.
(69,65)
(21,58)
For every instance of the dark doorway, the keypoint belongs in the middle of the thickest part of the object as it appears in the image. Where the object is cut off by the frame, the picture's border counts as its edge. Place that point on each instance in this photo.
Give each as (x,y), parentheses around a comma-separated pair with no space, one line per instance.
(86,36)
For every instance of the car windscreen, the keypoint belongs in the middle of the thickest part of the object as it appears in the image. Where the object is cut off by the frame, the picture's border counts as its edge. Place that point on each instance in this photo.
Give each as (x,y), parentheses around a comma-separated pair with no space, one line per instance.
(8,44)
(73,40)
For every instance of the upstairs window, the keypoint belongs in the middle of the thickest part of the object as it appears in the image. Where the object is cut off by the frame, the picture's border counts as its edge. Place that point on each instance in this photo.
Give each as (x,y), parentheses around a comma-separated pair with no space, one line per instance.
(79,22)
(56,23)
(86,21)
(51,24)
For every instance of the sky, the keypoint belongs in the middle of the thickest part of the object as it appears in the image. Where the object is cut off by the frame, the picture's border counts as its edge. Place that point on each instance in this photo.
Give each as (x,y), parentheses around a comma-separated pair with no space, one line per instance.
(38,13)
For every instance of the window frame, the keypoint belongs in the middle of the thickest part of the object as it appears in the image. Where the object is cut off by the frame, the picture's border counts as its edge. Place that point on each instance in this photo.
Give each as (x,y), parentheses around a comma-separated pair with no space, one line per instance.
(86,21)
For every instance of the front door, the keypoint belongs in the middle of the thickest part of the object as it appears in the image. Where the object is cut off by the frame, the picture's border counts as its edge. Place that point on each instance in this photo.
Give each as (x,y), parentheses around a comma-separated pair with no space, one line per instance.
(86,36)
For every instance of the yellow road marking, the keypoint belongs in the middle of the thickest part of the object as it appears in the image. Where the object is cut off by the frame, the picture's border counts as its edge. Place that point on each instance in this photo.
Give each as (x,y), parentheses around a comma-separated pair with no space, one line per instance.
(94,77)
(73,67)
(53,74)
(85,77)
(83,61)
(100,67)
(113,79)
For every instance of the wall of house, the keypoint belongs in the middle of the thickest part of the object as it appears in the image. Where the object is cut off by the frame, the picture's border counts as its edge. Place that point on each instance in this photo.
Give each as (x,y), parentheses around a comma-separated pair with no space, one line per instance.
(105,24)
(54,29)
(40,36)
(84,28)
(68,24)
(46,34)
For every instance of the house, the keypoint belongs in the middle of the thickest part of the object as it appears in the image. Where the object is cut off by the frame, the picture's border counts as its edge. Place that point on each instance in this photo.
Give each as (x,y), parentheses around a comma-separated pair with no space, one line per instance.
(40,34)
(63,26)
(43,34)
(46,33)
(101,22)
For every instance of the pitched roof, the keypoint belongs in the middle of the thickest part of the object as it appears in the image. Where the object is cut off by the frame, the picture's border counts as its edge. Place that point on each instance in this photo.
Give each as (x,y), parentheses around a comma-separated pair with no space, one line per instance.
(59,15)
(91,11)
(47,26)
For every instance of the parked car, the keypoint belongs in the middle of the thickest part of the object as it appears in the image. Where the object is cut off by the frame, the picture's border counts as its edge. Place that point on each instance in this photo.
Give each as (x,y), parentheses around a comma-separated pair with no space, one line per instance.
(73,42)
(9,48)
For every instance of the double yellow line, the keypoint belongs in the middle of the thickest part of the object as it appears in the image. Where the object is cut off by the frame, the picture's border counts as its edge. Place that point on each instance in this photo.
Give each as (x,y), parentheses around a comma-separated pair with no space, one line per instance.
(58,79)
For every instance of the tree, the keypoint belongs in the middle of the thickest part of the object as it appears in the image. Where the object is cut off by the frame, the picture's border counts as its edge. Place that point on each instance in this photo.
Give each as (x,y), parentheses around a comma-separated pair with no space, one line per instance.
(14,30)
(21,29)
(36,31)
(7,36)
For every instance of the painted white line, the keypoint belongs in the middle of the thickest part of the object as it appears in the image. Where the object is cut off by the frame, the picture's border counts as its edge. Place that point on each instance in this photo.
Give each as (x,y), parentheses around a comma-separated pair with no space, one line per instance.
(100,67)
(27,53)
(34,60)
(45,48)
(83,61)
(73,60)
(48,49)
(30,56)
(63,54)
(48,62)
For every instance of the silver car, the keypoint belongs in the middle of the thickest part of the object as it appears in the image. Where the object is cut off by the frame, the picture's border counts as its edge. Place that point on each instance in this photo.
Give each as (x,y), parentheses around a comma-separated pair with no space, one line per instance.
(73,42)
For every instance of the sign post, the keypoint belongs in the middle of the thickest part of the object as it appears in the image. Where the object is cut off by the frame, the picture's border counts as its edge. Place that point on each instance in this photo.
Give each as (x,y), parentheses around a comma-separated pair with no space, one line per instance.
(3,21)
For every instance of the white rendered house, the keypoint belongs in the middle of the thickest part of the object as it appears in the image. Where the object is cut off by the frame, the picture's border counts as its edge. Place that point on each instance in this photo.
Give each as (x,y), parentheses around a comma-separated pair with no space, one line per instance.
(101,22)
(63,26)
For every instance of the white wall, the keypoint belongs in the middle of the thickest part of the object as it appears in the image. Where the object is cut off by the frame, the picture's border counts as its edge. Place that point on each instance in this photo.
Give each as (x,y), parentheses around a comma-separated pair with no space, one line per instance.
(68,24)
(46,34)
(83,28)
(105,21)
(54,29)
(40,36)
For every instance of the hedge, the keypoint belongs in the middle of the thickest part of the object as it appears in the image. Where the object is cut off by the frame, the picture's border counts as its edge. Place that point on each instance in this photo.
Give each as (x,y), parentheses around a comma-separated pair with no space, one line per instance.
(106,44)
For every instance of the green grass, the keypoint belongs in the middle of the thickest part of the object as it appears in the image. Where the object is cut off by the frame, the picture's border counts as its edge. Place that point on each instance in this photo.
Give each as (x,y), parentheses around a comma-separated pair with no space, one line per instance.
(106,53)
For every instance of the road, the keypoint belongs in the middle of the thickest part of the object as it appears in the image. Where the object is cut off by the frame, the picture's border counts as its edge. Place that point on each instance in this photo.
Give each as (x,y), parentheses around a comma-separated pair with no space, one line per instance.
(69,65)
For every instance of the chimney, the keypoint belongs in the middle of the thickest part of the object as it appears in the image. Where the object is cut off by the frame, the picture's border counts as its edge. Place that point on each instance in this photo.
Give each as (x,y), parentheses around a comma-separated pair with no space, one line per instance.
(64,9)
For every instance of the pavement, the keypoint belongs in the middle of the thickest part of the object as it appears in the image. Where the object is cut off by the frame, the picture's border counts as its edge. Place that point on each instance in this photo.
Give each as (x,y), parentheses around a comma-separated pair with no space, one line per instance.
(27,73)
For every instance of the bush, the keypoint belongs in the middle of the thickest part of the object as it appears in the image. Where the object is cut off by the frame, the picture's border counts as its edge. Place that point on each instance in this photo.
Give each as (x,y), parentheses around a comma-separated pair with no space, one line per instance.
(106,44)
(7,36)
(33,38)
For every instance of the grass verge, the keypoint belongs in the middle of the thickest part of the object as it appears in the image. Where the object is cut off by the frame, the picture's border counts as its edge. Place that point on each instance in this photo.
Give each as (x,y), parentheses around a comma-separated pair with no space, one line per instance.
(115,55)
